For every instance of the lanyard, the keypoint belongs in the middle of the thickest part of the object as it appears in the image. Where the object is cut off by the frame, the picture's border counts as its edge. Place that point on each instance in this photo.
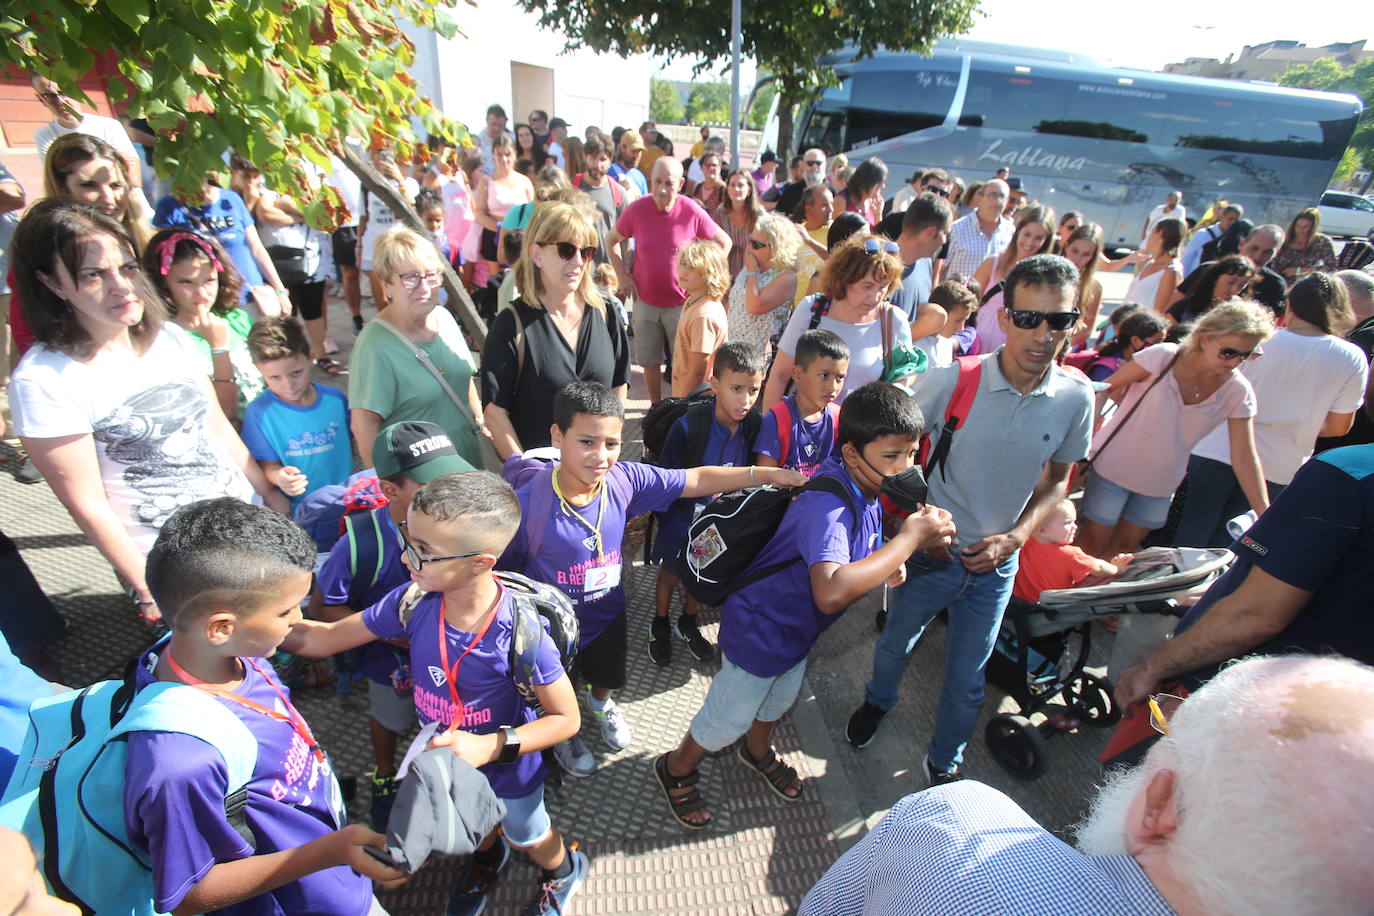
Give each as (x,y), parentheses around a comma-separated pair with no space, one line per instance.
(451,674)
(291,716)
(572,510)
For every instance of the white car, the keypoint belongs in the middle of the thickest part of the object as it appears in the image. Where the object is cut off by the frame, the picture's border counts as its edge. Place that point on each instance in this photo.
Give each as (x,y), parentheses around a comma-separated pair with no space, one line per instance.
(1347,214)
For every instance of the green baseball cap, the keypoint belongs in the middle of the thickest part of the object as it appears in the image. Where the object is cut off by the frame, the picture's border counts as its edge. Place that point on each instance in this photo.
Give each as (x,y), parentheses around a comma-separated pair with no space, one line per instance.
(421,451)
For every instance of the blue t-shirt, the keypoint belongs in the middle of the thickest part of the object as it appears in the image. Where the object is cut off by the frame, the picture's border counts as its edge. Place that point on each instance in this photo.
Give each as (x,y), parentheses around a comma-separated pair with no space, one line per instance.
(335,580)
(724,448)
(227,219)
(810,444)
(314,439)
(637,178)
(485,690)
(567,557)
(769,626)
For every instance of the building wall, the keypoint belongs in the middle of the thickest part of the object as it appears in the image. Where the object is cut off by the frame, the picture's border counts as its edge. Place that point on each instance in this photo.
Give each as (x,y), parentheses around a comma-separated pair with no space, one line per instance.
(1268,61)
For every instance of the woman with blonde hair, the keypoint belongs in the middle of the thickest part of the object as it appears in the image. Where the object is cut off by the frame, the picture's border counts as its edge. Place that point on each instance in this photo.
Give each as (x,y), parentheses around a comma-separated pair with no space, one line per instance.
(704,324)
(557,332)
(1305,247)
(1083,248)
(411,361)
(1034,234)
(737,215)
(1171,396)
(762,294)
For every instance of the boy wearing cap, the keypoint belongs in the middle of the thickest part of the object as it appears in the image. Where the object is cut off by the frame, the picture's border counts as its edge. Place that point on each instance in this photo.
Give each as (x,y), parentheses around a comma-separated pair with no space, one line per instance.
(624,169)
(765,176)
(367,565)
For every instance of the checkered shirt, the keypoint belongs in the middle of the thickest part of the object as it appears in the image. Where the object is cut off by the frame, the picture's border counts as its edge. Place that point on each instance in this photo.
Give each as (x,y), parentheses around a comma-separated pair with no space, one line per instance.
(969,247)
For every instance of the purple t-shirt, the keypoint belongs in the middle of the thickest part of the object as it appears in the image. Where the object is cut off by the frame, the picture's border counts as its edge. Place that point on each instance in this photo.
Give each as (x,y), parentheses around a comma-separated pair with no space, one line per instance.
(567,555)
(485,688)
(174,808)
(810,444)
(380,659)
(769,626)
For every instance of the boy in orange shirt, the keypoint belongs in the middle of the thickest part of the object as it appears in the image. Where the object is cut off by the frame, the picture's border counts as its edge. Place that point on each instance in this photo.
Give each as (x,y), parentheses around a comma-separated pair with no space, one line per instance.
(703,325)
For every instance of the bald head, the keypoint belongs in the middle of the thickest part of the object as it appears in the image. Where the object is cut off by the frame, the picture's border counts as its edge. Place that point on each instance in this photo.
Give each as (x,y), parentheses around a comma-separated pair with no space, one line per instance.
(1262,243)
(664,181)
(1359,286)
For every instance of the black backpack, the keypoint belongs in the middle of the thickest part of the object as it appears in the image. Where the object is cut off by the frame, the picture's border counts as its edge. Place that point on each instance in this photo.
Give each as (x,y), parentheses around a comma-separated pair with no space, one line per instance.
(660,419)
(731,531)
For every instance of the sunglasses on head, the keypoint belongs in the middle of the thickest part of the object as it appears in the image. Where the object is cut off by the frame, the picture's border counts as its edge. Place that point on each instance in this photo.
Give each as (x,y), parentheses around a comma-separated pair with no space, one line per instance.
(756,244)
(1228,354)
(566,250)
(873,246)
(1029,319)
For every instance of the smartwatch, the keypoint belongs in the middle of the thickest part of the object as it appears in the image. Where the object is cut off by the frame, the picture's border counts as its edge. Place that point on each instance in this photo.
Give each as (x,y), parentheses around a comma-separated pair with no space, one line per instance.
(510,745)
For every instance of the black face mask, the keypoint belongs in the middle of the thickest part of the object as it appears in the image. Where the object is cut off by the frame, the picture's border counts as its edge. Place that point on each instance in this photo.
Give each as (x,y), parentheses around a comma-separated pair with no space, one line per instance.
(905,491)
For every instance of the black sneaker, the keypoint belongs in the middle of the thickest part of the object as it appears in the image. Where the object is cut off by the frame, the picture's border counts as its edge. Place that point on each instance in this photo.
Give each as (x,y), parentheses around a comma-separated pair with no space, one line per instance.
(357,324)
(880,620)
(469,894)
(660,641)
(863,725)
(700,646)
(936,777)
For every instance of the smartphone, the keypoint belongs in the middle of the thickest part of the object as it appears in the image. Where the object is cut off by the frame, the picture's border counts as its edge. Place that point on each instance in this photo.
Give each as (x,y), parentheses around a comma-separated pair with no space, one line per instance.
(381,855)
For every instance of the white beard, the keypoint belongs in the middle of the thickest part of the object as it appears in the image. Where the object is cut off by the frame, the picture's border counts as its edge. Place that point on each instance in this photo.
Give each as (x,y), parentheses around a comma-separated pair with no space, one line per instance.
(1103,832)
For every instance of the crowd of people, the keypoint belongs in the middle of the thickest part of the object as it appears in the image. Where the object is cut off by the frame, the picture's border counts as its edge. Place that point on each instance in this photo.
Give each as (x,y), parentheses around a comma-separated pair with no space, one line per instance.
(801,330)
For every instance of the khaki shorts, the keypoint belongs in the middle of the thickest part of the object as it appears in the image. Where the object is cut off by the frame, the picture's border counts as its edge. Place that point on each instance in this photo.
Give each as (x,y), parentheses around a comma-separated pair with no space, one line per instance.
(655,328)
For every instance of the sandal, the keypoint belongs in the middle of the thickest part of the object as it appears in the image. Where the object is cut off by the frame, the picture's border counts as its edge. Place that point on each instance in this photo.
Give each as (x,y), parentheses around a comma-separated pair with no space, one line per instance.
(686,803)
(778,775)
(328,366)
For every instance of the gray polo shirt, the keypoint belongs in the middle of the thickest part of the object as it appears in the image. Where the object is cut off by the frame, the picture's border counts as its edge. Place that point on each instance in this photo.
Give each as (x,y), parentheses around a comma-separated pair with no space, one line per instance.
(999,452)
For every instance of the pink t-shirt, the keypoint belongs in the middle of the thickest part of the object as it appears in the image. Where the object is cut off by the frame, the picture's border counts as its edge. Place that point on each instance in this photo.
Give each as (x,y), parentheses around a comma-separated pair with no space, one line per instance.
(1150,455)
(659,237)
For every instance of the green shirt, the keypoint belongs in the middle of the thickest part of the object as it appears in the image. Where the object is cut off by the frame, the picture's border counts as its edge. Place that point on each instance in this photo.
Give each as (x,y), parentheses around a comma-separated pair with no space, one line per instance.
(246,375)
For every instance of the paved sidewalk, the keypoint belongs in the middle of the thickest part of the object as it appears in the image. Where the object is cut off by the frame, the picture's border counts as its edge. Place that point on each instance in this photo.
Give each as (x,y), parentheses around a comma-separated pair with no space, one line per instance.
(759,856)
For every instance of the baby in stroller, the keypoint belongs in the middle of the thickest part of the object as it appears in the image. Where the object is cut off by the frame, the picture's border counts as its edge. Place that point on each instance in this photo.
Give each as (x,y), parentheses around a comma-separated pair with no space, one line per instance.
(1050,560)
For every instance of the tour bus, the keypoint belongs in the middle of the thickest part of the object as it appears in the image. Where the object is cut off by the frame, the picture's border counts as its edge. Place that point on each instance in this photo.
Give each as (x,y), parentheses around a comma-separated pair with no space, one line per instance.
(1106,141)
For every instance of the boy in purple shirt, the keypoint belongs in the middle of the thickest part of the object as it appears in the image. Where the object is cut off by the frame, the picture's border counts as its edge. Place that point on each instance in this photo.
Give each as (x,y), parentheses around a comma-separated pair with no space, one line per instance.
(808,420)
(460,636)
(229,578)
(769,627)
(572,524)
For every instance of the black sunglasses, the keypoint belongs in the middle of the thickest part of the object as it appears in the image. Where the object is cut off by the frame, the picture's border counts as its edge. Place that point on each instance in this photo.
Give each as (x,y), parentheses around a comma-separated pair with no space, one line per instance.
(1227,354)
(756,244)
(566,250)
(1029,319)
(936,189)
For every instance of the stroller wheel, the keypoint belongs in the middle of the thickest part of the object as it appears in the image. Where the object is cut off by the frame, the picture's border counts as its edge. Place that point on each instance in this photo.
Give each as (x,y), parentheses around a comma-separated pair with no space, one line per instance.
(1018,746)
(1095,696)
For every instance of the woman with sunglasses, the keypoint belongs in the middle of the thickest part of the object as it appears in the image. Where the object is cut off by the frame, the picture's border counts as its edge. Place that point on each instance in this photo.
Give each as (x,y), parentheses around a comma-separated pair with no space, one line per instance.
(559,331)
(1224,280)
(1169,397)
(389,379)
(762,294)
(1034,234)
(1309,384)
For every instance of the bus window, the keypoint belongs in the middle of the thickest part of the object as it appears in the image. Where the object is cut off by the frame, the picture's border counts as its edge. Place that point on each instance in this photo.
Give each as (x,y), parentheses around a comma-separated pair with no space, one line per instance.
(1007,100)
(1102,111)
(1271,127)
(888,104)
(824,130)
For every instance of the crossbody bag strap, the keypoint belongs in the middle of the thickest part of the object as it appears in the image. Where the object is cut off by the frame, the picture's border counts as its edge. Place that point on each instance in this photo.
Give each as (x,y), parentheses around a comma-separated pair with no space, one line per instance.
(425,361)
(1134,408)
(887,339)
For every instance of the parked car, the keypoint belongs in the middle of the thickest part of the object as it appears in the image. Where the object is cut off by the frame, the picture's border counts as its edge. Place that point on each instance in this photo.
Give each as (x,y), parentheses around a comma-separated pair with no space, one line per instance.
(1347,214)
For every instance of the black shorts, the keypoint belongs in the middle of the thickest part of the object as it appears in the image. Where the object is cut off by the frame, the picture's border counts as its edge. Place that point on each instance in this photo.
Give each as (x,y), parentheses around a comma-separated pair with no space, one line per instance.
(345,243)
(490,252)
(602,663)
(308,299)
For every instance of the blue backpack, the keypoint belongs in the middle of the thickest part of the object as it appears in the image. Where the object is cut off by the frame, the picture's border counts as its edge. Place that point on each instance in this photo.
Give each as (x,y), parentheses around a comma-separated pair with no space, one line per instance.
(67,791)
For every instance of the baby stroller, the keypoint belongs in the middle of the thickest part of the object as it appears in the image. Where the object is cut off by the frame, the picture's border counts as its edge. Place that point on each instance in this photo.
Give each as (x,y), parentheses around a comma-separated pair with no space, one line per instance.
(1043,646)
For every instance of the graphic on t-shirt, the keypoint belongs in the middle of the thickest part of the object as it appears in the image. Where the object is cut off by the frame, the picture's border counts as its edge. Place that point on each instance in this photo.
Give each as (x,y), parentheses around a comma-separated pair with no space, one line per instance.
(312,442)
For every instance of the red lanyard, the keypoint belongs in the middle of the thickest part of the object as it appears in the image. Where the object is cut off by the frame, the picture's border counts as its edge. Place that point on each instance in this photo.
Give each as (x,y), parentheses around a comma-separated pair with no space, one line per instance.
(451,674)
(291,716)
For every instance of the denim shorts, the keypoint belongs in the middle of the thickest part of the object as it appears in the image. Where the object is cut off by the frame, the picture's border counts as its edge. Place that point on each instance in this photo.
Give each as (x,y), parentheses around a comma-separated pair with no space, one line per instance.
(1106,503)
(737,698)
(527,820)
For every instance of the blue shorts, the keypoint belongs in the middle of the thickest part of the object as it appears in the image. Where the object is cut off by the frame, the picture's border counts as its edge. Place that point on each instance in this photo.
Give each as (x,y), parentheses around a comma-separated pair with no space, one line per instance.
(737,698)
(527,820)
(1106,503)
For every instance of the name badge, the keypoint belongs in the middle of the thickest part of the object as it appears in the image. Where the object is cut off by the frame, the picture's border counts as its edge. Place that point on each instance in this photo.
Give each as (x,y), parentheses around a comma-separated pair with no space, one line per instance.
(601,579)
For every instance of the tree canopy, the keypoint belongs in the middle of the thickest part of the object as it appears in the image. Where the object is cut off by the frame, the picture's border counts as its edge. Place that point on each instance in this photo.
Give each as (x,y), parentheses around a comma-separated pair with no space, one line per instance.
(664,104)
(1357,79)
(709,103)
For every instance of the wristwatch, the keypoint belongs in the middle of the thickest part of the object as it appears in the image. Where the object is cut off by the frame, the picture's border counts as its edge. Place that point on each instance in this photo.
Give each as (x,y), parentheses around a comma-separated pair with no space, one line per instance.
(510,745)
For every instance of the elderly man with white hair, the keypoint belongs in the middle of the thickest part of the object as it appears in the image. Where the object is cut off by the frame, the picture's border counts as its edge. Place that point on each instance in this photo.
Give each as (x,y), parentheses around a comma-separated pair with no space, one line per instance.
(1259,798)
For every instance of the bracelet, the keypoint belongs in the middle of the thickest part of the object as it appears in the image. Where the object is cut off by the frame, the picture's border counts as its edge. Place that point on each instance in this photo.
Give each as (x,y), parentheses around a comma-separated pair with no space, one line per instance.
(751,475)
(149,603)
(213,379)
(214,352)
(282,292)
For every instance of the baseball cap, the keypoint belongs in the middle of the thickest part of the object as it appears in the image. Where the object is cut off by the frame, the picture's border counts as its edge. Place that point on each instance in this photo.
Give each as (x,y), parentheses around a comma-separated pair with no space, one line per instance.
(768,156)
(1014,184)
(421,451)
(632,140)
(557,122)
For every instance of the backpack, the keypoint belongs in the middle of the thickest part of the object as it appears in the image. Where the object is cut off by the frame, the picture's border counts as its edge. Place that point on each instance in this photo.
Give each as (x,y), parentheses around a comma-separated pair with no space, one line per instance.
(541,612)
(965,390)
(783,415)
(67,791)
(732,530)
(322,513)
(617,192)
(658,422)
(820,307)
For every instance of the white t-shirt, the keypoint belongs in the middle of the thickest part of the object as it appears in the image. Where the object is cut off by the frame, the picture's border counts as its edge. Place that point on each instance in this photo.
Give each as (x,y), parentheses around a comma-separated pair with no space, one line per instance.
(380,219)
(865,341)
(555,150)
(1297,382)
(146,416)
(349,186)
(939,349)
(93,125)
(1159,213)
(319,253)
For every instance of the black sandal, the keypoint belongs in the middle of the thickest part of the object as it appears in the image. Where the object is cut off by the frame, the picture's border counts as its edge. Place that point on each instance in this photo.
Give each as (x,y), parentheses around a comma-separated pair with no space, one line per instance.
(686,803)
(778,775)
(328,366)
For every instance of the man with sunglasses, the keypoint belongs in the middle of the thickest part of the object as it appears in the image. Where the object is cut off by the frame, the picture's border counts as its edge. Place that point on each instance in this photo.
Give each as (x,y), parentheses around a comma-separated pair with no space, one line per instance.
(1004,469)
(813,173)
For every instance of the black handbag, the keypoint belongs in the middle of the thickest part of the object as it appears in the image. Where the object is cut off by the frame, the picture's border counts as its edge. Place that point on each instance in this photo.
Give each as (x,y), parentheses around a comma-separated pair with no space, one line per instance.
(290,264)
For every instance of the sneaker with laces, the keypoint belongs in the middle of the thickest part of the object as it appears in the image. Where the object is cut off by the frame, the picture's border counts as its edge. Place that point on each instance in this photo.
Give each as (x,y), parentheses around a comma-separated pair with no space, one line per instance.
(660,642)
(357,324)
(615,731)
(699,645)
(863,725)
(574,757)
(469,894)
(936,777)
(383,797)
(555,894)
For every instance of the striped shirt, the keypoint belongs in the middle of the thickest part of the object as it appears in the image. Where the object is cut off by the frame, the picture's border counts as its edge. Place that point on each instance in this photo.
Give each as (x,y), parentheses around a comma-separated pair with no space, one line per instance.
(969,247)
(966,848)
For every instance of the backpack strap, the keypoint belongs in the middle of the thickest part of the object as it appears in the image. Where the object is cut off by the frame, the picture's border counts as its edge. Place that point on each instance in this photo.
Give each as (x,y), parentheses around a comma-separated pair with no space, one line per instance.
(956,412)
(749,428)
(820,307)
(698,431)
(782,414)
(410,599)
(363,530)
(826,484)
(617,195)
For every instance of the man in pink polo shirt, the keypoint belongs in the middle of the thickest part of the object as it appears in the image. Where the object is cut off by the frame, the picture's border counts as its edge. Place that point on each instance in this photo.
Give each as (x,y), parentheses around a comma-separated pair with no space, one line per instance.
(661,224)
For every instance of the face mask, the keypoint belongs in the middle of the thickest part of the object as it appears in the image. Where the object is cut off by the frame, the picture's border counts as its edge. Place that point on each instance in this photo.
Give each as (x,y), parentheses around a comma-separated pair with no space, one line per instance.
(902,493)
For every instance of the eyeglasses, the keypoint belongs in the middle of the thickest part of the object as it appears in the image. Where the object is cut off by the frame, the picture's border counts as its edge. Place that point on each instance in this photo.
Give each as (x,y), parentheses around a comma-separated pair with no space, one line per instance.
(873,246)
(936,189)
(819,163)
(756,244)
(1228,354)
(413,279)
(1162,706)
(1029,319)
(416,561)
(566,250)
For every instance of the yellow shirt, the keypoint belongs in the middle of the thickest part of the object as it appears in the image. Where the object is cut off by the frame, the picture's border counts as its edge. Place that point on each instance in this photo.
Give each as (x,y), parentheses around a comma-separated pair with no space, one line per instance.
(809,263)
(698,148)
(647,160)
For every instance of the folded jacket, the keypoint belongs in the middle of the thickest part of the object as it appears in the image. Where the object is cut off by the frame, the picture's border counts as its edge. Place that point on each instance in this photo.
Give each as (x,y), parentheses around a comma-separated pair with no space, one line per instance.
(443,807)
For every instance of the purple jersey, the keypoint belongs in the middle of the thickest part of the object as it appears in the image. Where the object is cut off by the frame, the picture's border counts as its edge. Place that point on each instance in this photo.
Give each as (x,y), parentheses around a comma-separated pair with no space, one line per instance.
(485,688)
(174,807)
(771,625)
(335,579)
(567,556)
(808,445)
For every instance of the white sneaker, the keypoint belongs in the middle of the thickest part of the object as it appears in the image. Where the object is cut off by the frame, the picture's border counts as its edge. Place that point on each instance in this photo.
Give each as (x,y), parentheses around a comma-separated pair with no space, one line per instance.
(572,755)
(615,731)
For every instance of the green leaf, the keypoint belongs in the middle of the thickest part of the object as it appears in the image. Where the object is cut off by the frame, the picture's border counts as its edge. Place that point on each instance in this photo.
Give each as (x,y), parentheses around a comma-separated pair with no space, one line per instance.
(133,13)
(444,23)
(384,68)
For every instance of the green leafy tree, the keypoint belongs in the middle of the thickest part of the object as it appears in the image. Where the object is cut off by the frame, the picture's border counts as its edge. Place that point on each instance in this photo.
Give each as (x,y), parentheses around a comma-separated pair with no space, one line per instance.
(709,102)
(664,105)
(763,100)
(279,81)
(1357,79)
(784,39)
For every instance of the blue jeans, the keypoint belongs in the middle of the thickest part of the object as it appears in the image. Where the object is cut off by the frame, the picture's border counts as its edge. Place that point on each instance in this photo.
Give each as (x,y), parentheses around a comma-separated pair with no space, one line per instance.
(1214,498)
(976,602)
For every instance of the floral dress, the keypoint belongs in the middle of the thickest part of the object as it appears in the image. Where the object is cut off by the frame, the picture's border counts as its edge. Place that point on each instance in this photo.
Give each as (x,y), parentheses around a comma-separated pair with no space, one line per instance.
(760,330)
(1318,254)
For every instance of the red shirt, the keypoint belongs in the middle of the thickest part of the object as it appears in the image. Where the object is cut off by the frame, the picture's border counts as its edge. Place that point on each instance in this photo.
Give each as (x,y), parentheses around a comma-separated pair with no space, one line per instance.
(1046,566)
(659,237)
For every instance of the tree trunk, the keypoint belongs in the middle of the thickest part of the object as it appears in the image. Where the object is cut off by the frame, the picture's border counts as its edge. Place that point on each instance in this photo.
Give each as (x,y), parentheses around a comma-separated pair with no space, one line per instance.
(785,141)
(458,300)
